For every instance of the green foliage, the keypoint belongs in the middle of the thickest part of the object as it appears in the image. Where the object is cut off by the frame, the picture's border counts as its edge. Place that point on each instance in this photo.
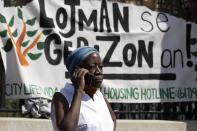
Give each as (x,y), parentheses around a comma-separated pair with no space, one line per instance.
(47,32)
(31,33)
(196,68)
(8,45)
(193,41)
(40,45)
(20,14)
(25,43)
(11,23)
(2,18)
(31,21)
(15,33)
(3,33)
(34,56)
(194,53)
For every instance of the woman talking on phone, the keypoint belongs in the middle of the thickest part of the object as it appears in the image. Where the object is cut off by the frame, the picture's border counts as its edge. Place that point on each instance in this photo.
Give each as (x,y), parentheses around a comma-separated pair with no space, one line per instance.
(80,106)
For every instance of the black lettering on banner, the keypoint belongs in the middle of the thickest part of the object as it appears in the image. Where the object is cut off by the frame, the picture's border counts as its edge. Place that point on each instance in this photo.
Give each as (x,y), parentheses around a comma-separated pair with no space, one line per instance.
(161,20)
(58,52)
(61,11)
(171,57)
(106,60)
(124,21)
(72,4)
(188,44)
(147,55)
(97,47)
(165,57)
(104,16)
(81,40)
(178,53)
(45,21)
(92,19)
(67,44)
(162,76)
(142,17)
(133,50)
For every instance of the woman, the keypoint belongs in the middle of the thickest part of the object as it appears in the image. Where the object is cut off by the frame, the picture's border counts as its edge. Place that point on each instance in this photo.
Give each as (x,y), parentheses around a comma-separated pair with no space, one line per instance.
(80,106)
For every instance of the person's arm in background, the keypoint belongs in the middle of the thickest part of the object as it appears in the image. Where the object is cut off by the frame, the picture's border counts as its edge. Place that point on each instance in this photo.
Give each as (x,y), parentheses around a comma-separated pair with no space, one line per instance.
(111,112)
(67,118)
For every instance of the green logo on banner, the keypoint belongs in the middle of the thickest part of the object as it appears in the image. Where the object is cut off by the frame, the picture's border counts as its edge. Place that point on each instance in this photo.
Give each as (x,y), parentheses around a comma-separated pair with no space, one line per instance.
(19,40)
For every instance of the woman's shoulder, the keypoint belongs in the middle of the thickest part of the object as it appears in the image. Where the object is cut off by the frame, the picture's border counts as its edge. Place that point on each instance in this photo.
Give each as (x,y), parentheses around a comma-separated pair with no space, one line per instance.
(65,93)
(68,88)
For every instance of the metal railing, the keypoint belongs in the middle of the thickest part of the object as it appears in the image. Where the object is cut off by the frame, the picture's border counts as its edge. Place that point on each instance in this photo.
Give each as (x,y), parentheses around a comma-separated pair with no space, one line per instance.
(157,111)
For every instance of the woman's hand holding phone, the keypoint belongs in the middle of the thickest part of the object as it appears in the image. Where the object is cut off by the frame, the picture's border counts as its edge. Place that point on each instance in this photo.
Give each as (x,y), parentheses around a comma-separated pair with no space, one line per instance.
(78,78)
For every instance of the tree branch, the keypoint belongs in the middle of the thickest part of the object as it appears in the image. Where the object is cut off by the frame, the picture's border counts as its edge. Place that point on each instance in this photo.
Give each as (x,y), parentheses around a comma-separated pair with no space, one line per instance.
(11,36)
(32,44)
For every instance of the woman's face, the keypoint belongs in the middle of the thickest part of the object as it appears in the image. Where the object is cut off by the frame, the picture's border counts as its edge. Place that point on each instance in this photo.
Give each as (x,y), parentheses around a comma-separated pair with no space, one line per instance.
(94,64)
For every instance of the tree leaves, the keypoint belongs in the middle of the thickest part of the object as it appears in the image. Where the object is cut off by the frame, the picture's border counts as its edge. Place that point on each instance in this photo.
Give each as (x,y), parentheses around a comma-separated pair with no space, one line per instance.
(194,53)
(20,14)
(11,23)
(46,32)
(193,41)
(8,45)
(31,21)
(2,18)
(3,33)
(40,45)
(25,43)
(34,56)
(15,33)
(31,33)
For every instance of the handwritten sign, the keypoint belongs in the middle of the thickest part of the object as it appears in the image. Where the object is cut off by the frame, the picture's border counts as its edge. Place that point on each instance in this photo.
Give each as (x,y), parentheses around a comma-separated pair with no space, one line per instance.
(148,56)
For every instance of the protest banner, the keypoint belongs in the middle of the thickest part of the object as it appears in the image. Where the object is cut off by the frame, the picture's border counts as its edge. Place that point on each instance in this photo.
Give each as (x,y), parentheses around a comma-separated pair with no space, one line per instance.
(148,56)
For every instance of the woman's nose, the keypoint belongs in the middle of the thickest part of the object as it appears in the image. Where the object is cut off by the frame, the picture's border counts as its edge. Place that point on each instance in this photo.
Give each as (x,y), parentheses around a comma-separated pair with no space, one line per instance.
(98,69)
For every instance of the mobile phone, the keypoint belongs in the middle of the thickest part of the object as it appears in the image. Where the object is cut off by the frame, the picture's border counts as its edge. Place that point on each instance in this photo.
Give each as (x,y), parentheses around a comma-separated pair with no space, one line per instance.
(88,78)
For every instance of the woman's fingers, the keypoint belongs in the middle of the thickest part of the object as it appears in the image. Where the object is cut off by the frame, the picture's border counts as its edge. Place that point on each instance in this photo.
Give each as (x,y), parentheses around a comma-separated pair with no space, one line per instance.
(78,78)
(81,72)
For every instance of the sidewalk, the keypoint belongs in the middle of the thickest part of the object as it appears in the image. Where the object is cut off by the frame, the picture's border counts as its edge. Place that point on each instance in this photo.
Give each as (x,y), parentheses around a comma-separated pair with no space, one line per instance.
(25,124)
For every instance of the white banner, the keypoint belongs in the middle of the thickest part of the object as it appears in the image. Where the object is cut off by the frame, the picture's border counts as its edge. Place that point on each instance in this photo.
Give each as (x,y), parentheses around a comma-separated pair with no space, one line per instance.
(148,56)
